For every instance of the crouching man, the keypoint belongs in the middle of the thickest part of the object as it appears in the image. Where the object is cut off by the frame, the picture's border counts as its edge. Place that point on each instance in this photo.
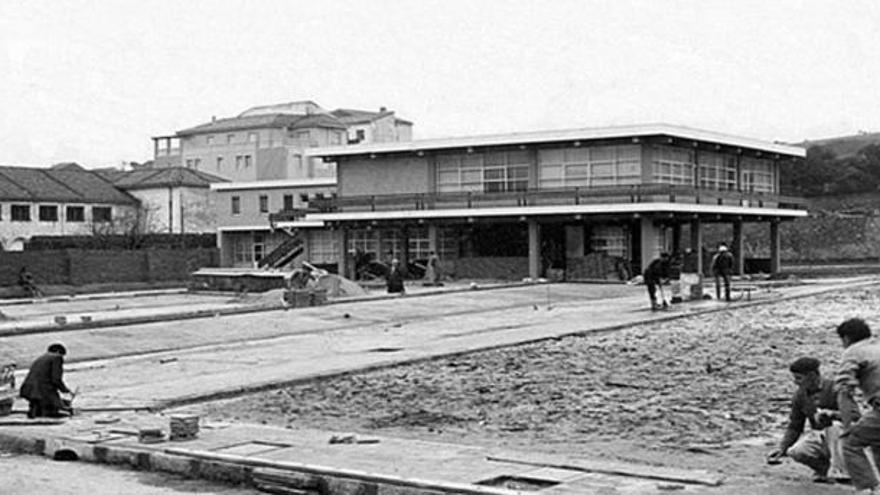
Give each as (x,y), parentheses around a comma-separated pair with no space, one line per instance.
(814,401)
(43,383)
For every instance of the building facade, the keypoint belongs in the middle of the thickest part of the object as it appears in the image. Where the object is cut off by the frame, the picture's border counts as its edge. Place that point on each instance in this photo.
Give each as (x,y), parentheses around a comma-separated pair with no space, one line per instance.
(270,142)
(523,204)
(245,234)
(68,201)
(173,200)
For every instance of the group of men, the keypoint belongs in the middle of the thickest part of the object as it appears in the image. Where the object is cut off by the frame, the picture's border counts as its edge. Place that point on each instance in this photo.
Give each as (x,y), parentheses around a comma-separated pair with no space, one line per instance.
(835,446)
(660,270)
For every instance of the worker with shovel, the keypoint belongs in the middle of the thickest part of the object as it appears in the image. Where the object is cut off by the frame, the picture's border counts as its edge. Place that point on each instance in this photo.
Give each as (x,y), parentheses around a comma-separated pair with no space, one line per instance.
(655,274)
(815,402)
(43,383)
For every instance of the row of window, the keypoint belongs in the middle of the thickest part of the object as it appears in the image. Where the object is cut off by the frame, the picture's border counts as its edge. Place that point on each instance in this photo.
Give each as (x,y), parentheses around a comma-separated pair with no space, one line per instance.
(49,213)
(242,162)
(263,202)
(230,138)
(597,166)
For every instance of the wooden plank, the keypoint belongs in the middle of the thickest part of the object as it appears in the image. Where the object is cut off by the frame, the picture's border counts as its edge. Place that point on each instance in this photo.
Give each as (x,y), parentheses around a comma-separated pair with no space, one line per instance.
(693,477)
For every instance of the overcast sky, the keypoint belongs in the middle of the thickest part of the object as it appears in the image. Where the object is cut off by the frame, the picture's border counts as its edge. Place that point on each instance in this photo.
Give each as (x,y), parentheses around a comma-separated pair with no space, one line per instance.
(92,81)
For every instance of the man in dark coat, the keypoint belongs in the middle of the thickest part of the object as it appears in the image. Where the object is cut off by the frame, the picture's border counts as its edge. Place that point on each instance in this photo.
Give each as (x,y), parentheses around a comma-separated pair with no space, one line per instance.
(657,271)
(814,402)
(395,278)
(43,383)
(722,267)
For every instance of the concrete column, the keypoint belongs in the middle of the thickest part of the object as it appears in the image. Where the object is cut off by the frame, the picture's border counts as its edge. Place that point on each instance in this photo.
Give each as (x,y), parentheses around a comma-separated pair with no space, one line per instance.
(676,239)
(344,264)
(534,248)
(650,245)
(774,246)
(404,251)
(433,238)
(738,247)
(697,243)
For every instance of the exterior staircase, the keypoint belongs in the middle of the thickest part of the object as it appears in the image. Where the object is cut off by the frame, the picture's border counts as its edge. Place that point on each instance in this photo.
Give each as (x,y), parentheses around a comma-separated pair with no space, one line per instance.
(283,254)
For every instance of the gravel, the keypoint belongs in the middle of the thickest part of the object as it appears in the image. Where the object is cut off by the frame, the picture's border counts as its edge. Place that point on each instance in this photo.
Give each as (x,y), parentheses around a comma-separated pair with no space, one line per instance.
(691,384)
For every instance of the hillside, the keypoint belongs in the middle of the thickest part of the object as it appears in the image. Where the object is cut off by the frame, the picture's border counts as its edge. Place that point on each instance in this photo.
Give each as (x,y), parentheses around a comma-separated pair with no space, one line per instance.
(842,165)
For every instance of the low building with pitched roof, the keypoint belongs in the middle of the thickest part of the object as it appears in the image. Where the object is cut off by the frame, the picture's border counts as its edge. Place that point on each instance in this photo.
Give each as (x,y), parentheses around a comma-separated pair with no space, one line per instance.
(67,200)
(173,200)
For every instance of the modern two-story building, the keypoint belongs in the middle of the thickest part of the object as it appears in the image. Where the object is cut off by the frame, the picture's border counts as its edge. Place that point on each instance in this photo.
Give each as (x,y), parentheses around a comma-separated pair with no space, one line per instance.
(516,205)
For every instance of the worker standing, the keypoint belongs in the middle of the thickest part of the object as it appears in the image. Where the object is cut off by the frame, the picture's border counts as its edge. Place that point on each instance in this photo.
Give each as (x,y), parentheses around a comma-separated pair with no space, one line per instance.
(859,368)
(43,383)
(722,267)
(394,280)
(815,402)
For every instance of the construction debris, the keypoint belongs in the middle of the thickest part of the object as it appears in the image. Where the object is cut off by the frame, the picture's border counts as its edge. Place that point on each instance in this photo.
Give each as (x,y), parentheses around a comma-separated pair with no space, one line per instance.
(183,427)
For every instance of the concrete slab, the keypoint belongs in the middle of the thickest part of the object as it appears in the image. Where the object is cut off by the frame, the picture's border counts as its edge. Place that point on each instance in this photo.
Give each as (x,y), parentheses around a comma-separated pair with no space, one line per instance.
(389,464)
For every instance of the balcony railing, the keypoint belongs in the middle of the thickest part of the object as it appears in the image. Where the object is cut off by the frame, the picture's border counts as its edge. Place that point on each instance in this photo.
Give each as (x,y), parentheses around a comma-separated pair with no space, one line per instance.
(650,193)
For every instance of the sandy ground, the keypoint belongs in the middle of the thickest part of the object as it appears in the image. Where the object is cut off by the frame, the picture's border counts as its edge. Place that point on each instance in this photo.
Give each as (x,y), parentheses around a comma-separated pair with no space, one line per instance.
(32,475)
(706,392)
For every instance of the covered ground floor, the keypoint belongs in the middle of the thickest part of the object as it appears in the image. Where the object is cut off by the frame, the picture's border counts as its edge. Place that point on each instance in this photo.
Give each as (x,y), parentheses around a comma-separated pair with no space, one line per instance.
(585,242)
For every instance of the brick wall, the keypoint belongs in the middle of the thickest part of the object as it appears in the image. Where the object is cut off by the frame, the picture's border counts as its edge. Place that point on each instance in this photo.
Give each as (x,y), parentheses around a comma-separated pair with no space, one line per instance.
(80,267)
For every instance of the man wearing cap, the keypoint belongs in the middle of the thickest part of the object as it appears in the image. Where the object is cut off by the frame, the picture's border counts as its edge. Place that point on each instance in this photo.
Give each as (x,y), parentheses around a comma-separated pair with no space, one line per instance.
(814,401)
(722,267)
(43,383)
(859,369)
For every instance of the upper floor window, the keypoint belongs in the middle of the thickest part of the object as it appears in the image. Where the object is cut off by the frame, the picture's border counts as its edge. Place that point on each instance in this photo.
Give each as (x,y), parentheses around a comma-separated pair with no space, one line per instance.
(758,175)
(230,138)
(189,163)
(209,140)
(48,213)
(483,172)
(197,163)
(264,203)
(589,166)
(76,214)
(20,213)
(247,161)
(102,214)
(236,205)
(670,165)
(288,201)
(219,163)
(238,162)
(252,137)
(335,138)
(717,171)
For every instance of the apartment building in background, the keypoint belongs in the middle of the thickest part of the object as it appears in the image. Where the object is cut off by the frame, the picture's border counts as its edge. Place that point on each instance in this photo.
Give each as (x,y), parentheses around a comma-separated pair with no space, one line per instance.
(269,142)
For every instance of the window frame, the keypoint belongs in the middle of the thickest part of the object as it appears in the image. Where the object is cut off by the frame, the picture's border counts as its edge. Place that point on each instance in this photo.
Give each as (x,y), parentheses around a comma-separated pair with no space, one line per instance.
(16,210)
(43,213)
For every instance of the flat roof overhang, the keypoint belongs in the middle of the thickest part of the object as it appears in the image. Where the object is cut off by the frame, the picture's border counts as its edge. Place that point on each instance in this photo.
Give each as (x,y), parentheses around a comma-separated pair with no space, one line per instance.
(547,211)
(560,136)
(298,224)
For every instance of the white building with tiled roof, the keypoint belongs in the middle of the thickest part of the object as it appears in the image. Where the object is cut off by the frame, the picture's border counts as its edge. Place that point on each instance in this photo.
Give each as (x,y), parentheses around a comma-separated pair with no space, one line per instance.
(67,200)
